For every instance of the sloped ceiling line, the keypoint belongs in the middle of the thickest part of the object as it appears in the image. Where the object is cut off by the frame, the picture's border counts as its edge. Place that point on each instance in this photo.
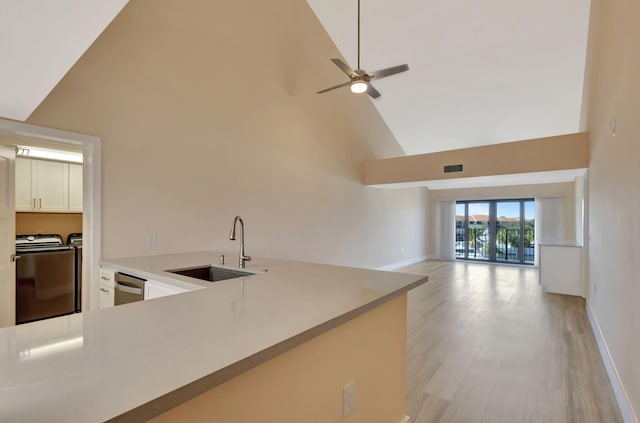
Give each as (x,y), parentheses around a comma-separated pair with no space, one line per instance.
(481,72)
(40,41)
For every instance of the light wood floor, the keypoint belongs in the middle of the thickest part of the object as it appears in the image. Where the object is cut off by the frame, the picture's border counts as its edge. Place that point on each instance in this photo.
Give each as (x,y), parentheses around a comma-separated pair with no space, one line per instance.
(485,344)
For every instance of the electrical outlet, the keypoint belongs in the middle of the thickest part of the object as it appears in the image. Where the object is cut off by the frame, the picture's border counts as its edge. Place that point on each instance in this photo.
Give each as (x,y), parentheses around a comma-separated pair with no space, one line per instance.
(402,250)
(347,398)
(151,240)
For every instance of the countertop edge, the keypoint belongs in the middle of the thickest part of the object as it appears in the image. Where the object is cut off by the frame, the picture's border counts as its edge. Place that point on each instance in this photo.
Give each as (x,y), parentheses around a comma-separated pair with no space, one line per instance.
(180,395)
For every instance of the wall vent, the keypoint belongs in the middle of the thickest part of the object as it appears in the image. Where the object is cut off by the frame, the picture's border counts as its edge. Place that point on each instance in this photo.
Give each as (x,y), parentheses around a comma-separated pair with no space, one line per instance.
(453,168)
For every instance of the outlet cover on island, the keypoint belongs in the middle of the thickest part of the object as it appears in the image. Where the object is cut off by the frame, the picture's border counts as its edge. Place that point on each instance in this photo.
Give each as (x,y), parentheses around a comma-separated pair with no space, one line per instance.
(151,240)
(347,399)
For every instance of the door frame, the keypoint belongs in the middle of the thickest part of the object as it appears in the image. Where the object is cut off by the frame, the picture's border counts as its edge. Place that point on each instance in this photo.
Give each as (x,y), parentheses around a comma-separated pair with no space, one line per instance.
(91,196)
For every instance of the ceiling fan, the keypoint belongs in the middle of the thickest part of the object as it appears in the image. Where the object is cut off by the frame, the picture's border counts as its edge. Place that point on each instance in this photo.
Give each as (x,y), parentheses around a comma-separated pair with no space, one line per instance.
(360,80)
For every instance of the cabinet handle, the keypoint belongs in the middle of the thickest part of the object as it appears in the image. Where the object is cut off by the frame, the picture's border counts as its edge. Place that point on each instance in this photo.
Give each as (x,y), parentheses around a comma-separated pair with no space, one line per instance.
(34,203)
(39,203)
(129,289)
(104,290)
(105,278)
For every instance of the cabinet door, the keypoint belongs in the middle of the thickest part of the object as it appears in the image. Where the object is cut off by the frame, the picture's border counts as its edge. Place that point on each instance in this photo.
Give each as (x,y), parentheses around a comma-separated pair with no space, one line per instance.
(106,293)
(153,289)
(25,198)
(107,277)
(561,270)
(107,296)
(51,182)
(75,187)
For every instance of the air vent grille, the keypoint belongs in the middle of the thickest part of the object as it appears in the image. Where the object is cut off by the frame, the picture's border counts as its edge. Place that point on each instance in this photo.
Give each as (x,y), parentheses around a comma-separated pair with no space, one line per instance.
(453,168)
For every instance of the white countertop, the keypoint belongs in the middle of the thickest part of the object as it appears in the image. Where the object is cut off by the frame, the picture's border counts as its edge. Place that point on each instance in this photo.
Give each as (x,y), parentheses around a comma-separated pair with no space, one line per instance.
(98,365)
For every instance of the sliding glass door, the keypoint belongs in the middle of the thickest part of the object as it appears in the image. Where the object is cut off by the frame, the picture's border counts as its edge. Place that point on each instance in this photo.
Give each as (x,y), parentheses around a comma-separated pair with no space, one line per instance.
(496,230)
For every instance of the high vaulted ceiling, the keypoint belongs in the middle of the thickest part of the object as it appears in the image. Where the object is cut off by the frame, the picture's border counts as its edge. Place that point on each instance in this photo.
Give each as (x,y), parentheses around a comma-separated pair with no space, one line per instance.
(40,40)
(480,72)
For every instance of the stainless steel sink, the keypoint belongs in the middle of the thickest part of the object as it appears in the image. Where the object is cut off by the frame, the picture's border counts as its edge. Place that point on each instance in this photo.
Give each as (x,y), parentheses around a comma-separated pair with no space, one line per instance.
(210,273)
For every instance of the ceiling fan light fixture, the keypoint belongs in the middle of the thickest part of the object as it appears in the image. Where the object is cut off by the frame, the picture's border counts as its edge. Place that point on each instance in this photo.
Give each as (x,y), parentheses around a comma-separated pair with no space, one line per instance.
(358,87)
(359,79)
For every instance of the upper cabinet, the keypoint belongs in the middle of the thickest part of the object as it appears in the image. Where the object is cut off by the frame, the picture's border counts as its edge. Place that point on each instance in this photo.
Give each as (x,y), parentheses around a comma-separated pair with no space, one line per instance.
(24,198)
(46,186)
(75,187)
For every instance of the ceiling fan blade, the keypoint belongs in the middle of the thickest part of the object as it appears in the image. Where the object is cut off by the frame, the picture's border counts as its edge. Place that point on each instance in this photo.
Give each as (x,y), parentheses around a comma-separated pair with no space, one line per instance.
(344,67)
(383,73)
(373,93)
(335,87)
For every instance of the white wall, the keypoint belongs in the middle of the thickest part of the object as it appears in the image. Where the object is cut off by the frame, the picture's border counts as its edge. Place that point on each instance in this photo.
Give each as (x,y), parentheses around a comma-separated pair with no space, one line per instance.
(482,72)
(208,111)
(613,92)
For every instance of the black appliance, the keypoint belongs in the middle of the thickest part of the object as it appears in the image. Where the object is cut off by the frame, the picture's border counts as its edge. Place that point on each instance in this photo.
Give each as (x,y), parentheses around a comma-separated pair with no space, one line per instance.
(75,240)
(45,277)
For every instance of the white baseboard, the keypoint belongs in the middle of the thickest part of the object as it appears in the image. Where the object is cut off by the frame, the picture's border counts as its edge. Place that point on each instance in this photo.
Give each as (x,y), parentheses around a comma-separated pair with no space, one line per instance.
(406,419)
(394,266)
(626,410)
(435,257)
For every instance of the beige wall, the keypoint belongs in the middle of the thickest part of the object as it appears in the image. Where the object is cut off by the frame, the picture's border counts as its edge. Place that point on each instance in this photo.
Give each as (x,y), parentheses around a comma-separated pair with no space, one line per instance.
(565,190)
(48,223)
(613,91)
(208,110)
(538,155)
(305,384)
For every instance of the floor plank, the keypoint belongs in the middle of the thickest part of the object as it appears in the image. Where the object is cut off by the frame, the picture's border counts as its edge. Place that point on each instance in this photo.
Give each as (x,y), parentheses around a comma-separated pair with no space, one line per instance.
(486,344)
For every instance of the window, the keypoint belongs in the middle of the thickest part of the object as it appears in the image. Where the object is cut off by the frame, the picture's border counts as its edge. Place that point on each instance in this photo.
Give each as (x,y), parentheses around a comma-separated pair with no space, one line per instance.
(496,230)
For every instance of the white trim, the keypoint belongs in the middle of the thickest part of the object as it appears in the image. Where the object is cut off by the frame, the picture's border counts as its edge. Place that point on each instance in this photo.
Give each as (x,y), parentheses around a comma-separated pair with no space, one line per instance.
(406,419)
(628,415)
(91,213)
(394,266)
(91,223)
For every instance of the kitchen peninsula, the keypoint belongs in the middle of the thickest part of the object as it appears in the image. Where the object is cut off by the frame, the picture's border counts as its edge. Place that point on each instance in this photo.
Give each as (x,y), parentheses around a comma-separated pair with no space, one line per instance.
(277,346)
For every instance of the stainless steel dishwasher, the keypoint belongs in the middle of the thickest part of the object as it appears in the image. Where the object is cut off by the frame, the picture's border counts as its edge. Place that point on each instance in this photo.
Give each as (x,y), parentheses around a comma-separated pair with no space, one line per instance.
(128,289)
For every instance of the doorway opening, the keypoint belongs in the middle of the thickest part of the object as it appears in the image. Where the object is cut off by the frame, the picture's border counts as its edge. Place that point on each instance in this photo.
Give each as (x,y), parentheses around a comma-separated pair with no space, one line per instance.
(500,231)
(14,134)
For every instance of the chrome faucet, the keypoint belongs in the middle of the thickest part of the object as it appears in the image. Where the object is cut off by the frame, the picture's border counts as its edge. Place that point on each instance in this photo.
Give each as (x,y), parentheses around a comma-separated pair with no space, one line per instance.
(232,237)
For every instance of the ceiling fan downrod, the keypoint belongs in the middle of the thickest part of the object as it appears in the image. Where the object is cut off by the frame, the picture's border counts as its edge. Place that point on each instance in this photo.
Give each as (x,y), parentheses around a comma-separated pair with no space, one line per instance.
(360,80)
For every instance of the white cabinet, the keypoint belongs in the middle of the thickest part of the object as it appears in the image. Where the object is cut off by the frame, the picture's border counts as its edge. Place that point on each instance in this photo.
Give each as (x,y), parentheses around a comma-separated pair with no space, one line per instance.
(46,186)
(561,269)
(107,295)
(154,289)
(50,183)
(75,187)
(25,199)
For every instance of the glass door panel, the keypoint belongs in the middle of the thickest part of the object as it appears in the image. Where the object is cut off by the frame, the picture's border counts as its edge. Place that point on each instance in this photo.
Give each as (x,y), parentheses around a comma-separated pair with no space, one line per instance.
(461,229)
(478,231)
(508,231)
